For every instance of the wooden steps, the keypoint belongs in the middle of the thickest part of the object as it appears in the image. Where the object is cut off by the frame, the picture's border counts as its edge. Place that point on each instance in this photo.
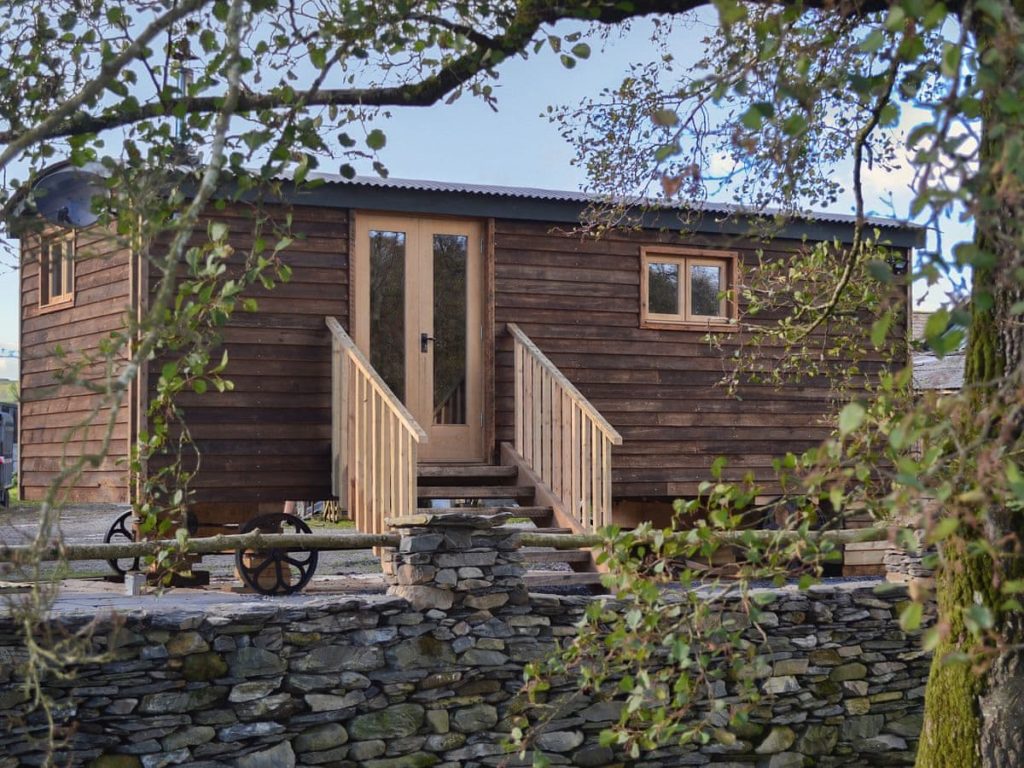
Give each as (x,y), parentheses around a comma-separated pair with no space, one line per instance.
(475,492)
(548,568)
(475,473)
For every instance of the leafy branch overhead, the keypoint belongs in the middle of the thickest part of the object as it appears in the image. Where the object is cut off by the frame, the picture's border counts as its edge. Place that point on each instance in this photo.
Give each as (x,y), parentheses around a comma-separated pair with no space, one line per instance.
(785,97)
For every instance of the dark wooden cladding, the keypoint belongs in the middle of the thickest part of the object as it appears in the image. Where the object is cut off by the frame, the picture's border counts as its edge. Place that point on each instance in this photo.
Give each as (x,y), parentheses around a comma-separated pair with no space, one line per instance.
(57,424)
(579,301)
(268,440)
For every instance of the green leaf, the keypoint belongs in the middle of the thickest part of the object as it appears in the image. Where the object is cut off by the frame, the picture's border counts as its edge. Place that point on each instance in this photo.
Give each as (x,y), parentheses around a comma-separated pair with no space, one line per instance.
(991,8)
(376,139)
(873,42)
(896,19)
(665,117)
(950,60)
(851,417)
(753,119)
(880,329)
(944,529)
(979,618)
(880,271)
(717,466)
(910,617)
(581,51)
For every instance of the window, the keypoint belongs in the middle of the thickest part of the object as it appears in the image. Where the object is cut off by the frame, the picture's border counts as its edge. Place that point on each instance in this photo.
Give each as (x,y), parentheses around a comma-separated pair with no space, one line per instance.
(57,271)
(682,287)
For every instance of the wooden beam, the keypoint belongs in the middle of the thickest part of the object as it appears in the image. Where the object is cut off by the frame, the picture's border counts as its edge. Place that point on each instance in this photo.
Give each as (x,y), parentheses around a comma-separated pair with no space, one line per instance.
(254,541)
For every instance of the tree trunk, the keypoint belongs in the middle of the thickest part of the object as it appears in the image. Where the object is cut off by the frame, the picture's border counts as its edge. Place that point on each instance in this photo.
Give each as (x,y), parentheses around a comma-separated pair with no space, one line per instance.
(974,718)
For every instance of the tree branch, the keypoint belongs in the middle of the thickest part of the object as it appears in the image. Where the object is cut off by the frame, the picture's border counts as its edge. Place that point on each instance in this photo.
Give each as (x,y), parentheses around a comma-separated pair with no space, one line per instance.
(530,16)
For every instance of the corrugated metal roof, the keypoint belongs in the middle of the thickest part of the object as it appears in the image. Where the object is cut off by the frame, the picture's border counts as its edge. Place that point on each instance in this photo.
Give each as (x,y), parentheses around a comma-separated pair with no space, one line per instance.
(583,198)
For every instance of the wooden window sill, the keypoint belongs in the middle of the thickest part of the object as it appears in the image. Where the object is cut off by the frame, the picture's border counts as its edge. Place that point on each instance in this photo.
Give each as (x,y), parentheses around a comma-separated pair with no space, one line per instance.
(682,325)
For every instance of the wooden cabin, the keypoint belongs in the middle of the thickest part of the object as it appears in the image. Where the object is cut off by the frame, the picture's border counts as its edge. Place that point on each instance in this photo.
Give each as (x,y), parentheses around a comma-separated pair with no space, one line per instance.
(432,333)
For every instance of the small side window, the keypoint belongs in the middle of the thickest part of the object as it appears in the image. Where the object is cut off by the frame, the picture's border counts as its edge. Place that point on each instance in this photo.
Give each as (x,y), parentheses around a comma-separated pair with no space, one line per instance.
(57,271)
(688,288)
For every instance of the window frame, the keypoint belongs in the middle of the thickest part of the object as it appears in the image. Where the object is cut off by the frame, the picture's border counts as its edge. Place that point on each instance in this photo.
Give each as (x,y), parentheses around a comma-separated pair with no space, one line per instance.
(66,298)
(685,258)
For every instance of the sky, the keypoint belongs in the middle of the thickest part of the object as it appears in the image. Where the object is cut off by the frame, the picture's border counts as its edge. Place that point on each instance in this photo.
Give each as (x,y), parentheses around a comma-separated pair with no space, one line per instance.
(469,142)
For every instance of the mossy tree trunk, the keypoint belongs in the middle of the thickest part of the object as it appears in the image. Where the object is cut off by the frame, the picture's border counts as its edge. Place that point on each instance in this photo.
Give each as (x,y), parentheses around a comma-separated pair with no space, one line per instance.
(975,718)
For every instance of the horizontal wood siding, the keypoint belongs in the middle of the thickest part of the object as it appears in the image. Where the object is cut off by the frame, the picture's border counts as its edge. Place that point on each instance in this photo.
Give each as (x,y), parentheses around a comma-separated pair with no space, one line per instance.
(269,440)
(51,414)
(579,301)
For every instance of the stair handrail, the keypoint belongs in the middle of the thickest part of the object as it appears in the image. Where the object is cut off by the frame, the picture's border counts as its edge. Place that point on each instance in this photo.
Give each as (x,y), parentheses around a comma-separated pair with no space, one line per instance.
(562,436)
(373,439)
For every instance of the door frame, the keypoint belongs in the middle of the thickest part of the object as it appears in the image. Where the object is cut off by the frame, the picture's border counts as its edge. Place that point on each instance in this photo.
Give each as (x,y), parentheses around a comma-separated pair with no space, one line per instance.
(359,309)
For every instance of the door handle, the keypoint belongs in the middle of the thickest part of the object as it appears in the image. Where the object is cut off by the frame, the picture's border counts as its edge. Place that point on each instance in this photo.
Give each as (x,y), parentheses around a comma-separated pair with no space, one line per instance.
(425,339)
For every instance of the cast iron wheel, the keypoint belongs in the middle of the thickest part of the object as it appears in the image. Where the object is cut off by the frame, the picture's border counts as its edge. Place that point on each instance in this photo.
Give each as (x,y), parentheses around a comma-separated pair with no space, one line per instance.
(121,532)
(276,571)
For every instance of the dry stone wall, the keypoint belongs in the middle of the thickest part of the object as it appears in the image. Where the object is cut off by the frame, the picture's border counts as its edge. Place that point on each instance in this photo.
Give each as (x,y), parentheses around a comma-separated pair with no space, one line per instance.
(429,675)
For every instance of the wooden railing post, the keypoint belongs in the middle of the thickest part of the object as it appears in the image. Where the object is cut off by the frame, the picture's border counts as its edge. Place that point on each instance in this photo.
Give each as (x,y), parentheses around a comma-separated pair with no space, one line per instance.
(340,448)
(562,436)
(373,438)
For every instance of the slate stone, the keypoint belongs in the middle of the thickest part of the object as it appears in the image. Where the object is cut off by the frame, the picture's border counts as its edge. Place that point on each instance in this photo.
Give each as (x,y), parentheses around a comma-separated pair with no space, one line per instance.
(439,721)
(165,759)
(183,643)
(818,740)
(279,756)
(423,598)
(779,739)
(189,737)
(182,701)
(420,652)
(323,702)
(394,722)
(852,671)
(198,667)
(593,757)
(559,741)
(334,658)
(321,738)
(243,731)
(365,750)
(415,760)
(253,662)
(252,690)
(476,718)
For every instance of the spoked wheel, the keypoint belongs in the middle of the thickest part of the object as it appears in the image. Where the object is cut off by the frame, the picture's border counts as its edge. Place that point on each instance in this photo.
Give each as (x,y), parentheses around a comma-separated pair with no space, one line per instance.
(276,571)
(121,533)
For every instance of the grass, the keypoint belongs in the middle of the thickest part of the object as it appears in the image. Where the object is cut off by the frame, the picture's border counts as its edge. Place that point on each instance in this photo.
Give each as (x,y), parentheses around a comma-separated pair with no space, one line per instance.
(341,525)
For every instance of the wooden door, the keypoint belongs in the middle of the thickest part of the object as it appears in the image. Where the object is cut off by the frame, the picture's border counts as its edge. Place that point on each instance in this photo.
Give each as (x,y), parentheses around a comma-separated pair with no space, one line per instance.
(419,319)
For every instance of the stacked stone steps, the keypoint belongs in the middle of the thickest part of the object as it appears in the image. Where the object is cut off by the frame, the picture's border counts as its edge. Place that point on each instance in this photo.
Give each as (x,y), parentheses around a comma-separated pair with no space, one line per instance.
(457,484)
(589,579)
(555,556)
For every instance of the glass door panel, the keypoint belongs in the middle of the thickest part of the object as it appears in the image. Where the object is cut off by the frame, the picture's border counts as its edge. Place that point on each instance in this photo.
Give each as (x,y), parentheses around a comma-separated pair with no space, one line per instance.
(387,307)
(450,286)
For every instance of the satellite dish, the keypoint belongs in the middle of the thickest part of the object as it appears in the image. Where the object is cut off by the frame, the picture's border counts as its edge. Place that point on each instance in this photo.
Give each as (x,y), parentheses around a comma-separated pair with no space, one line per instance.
(64,193)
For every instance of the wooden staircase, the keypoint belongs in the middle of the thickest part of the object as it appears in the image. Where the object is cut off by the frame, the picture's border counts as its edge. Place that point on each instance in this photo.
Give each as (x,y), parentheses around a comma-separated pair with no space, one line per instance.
(494,489)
